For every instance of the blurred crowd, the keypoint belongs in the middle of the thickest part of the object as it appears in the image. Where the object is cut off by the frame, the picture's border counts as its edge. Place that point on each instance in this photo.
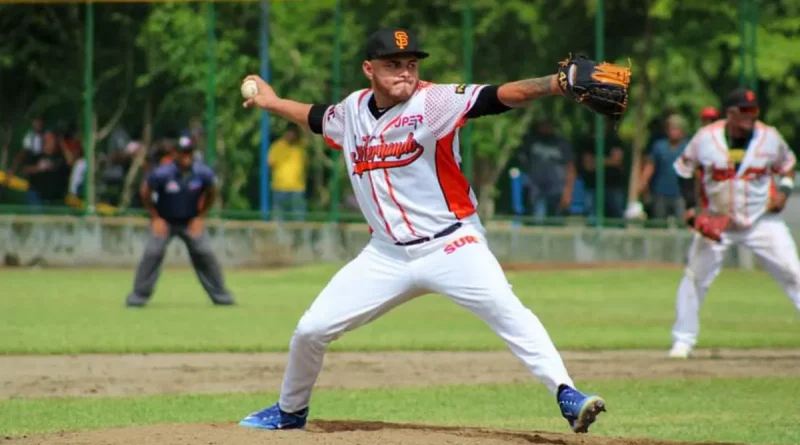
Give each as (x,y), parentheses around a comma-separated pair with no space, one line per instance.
(558,172)
(51,159)
(47,159)
(559,177)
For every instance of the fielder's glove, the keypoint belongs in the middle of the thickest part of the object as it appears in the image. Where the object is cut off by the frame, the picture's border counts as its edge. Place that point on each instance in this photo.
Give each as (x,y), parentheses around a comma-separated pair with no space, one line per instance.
(602,87)
(709,226)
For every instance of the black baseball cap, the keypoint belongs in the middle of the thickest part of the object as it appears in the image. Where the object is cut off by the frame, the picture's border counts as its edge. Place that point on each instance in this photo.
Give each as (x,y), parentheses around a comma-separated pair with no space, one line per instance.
(741,98)
(391,41)
(185,144)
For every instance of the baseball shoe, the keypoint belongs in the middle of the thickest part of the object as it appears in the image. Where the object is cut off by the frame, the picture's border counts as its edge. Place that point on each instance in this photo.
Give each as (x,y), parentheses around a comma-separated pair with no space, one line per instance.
(225,300)
(134,300)
(273,418)
(680,351)
(579,409)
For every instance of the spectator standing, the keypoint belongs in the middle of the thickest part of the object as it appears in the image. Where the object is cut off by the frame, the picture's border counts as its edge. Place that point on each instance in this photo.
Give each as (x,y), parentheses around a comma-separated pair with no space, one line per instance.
(664,188)
(71,146)
(47,175)
(32,144)
(288,163)
(549,163)
(615,179)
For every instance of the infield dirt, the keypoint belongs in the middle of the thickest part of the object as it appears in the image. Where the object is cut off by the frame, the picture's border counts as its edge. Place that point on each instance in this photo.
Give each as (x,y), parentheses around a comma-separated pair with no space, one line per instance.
(140,374)
(137,374)
(323,433)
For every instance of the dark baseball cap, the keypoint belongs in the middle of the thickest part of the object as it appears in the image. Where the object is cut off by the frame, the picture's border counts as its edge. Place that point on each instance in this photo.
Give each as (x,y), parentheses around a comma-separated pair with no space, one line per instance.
(391,41)
(185,144)
(741,98)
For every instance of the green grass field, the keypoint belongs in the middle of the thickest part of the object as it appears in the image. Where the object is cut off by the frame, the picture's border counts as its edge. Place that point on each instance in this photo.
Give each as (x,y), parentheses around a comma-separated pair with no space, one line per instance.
(72,311)
(683,409)
(82,311)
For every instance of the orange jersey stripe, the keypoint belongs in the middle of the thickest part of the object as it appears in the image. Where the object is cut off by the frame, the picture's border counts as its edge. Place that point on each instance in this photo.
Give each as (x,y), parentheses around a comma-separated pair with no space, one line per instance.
(380,210)
(363,94)
(454,185)
(331,143)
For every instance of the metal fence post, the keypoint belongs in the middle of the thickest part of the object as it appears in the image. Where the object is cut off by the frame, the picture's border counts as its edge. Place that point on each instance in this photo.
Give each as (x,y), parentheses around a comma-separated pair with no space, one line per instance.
(599,123)
(264,188)
(336,78)
(88,111)
(211,74)
(467,31)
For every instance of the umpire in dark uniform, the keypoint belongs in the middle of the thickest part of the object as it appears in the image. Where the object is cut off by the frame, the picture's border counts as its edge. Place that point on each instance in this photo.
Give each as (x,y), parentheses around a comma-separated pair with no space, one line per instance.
(184,190)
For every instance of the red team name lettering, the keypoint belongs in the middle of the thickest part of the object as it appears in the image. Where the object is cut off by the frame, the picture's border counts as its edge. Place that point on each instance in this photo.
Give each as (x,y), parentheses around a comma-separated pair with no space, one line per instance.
(370,157)
(461,242)
(725,174)
(753,174)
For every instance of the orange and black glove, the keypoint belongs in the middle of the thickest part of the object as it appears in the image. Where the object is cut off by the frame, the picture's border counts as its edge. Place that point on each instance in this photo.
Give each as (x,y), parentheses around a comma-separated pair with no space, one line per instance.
(602,87)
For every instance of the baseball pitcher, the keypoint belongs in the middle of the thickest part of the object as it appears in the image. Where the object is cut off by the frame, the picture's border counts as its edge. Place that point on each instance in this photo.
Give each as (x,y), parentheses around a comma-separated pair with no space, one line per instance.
(745,172)
(401,146)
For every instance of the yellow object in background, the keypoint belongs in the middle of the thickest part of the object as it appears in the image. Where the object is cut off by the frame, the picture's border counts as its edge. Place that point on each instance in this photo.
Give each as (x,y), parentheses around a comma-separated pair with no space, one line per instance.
(289,164)
(21,185)
(16,183)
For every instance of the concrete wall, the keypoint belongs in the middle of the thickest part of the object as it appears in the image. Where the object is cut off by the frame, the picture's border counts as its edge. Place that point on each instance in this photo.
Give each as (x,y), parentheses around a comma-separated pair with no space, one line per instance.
(118,242)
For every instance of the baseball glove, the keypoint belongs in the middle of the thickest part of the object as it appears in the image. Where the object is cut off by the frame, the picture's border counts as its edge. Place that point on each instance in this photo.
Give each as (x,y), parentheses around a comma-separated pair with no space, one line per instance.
(710,226)
(602,87)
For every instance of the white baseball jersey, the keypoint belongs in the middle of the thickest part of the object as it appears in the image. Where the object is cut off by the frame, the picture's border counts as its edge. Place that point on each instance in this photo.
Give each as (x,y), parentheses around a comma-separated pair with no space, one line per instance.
(404,166)
(743,192)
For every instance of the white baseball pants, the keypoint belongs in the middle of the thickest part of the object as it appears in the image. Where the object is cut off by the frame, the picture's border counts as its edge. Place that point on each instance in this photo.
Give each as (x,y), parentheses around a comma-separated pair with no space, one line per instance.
(769,239)
(459,266)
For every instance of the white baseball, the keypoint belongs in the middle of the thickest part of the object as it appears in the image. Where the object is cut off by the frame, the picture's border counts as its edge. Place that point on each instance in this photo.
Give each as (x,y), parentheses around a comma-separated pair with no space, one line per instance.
(249,88)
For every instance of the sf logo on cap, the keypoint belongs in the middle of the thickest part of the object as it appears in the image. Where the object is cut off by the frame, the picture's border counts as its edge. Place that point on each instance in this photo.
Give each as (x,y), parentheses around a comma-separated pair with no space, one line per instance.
(401,39)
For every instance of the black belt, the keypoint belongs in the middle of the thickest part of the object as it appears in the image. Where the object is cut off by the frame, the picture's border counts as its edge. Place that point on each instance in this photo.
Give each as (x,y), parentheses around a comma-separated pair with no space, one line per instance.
(444,232)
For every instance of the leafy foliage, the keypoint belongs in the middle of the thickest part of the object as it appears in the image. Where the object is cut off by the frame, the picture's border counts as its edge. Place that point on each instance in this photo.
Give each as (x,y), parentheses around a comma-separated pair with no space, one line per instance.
(685,55)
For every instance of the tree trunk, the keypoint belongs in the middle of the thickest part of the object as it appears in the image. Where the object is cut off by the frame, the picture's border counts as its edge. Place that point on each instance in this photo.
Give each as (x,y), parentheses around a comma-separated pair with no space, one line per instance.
(319,166)
(6,134)
(487,181)
(225,172)
(139,159)
(89,147)
(640,116)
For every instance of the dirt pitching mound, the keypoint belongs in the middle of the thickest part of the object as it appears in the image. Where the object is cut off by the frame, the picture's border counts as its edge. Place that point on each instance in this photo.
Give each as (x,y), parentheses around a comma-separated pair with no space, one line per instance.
(319,433)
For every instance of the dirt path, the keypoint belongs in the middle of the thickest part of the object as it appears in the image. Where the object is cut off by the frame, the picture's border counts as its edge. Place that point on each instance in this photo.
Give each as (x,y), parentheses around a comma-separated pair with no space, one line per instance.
(139,374)
(322,433)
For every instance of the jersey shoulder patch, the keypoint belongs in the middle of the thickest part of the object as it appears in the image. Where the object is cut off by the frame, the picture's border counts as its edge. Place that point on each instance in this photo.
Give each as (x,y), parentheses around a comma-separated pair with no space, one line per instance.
(461,88)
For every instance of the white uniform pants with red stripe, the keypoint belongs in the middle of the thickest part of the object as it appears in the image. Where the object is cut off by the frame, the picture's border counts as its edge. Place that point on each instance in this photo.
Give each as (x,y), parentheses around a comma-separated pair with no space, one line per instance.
(459,266)
(769,239)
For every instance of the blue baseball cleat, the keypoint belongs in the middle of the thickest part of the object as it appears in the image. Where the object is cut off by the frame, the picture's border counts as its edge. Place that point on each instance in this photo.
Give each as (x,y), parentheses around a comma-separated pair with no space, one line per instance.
(273,418)
(579,409)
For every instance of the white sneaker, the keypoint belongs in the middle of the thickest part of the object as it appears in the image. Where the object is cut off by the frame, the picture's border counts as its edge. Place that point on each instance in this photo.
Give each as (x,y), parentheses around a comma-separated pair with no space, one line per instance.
(680,350)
